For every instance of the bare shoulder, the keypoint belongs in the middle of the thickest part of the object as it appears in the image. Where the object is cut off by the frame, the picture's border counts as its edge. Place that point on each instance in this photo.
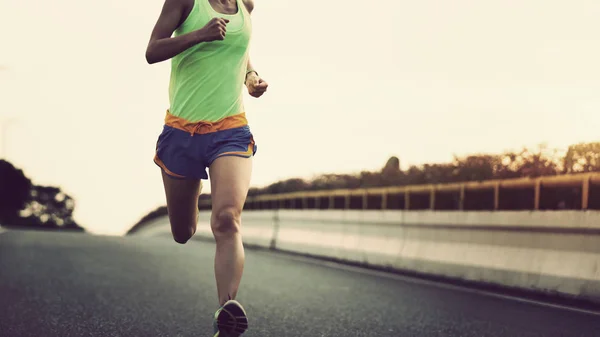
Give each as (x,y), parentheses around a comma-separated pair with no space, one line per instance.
(172,15)
(249,5)
(179,3)
(184,5)
(187,4)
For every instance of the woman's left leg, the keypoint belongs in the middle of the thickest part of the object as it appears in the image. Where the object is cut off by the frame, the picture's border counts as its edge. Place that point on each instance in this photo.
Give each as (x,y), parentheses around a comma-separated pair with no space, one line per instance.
(230,180)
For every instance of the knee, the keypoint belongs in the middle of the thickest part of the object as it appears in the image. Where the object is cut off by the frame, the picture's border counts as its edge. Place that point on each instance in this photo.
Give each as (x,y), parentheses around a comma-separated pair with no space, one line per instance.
(226,221)
(182,236)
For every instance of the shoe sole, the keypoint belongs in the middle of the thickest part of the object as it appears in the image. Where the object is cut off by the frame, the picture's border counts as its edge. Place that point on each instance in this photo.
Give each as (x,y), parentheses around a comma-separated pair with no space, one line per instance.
(232,320)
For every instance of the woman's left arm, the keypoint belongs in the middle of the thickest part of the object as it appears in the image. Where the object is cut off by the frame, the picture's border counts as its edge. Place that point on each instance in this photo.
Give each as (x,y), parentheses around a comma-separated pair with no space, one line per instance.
(256,85)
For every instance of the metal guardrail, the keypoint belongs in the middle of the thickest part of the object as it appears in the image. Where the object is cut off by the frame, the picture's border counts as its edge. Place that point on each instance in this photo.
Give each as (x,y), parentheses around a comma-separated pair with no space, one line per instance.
(578,191)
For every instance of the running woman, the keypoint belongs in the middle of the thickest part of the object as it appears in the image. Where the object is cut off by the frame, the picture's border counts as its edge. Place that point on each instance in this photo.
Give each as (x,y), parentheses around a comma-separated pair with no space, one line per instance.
(206,127)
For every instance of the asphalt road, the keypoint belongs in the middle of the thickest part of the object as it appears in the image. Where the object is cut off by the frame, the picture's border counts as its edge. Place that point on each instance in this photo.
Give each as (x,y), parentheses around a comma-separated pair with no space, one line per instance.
(56,284)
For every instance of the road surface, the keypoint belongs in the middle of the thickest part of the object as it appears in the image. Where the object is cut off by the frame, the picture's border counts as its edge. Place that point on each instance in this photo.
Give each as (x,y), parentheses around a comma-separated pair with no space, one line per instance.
(57,284)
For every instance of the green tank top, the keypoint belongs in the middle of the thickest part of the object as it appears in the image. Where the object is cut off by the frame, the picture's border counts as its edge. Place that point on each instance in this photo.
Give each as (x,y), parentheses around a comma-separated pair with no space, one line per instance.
(207,79)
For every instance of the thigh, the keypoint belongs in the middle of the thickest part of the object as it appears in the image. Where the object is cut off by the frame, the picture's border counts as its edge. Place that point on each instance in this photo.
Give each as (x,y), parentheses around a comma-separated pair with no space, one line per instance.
(229,182)
(182,201)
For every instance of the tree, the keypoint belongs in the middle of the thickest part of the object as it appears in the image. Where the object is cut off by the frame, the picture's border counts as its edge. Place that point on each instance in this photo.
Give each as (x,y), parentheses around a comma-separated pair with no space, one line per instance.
(391,174)
(583,157)
(475,167)
(14,191)
(540,162)
(392,167)
(52,207)
(285,186)
(23,204)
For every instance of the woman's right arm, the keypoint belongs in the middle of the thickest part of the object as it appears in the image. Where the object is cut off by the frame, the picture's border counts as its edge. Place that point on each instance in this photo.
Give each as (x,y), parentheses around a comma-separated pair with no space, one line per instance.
(163,47)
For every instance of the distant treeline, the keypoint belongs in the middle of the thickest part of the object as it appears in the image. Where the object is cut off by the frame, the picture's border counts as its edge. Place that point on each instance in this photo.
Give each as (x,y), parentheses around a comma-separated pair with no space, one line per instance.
(478,167)
(25,205)
(541,161)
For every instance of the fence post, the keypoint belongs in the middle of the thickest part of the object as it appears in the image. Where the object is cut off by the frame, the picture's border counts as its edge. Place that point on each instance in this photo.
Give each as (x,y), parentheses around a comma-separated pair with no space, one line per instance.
(497,196)
(585,192)
(461,200)
(536,200)
(273,243)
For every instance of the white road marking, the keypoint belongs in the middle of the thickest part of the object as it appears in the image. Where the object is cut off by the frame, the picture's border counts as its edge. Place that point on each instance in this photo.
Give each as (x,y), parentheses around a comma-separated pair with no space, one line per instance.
(438,284)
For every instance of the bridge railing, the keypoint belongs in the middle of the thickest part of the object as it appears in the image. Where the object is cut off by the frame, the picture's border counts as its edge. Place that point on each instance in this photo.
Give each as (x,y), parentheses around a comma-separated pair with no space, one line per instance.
(572,192)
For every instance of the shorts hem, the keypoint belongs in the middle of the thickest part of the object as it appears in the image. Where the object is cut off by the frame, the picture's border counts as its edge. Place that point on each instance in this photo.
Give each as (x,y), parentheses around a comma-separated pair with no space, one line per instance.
(251,152)
(171,174)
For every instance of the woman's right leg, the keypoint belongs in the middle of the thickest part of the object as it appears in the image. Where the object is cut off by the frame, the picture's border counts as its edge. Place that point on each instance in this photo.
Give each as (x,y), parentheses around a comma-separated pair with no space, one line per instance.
(182,203)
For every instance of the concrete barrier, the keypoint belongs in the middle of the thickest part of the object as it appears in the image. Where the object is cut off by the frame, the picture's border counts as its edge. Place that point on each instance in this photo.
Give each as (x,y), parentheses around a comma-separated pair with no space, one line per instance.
(550,252)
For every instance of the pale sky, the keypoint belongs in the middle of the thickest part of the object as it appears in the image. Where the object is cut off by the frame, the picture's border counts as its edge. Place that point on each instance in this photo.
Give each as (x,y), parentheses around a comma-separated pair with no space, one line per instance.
(351,84)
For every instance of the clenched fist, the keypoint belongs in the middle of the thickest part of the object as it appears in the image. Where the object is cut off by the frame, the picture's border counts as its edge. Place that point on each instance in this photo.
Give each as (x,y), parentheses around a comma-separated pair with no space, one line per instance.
(214,30)
(256,85)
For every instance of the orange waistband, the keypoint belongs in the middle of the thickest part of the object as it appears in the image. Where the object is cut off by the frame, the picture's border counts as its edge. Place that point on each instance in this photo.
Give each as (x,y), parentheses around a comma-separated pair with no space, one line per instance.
(203,127)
